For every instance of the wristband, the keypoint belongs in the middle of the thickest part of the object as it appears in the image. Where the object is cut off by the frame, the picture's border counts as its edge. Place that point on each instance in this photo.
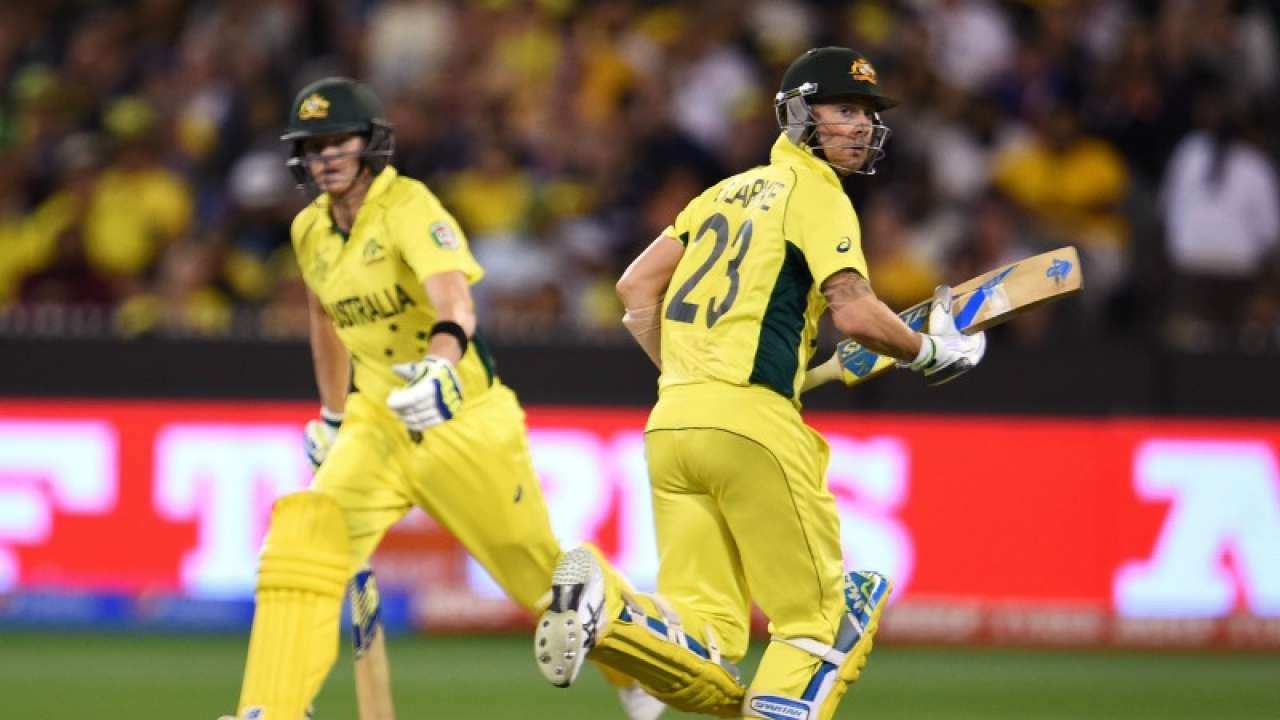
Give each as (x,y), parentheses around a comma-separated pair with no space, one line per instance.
(449,327)
(332,419)
(928,349)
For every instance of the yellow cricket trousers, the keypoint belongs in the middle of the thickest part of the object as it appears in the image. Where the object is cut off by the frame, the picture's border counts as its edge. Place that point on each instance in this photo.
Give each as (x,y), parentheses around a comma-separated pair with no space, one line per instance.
(473,474)
(743,512)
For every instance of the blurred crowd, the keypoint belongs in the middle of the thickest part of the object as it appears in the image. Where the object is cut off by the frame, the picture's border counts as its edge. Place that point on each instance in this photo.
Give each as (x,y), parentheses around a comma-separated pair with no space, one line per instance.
(141,171)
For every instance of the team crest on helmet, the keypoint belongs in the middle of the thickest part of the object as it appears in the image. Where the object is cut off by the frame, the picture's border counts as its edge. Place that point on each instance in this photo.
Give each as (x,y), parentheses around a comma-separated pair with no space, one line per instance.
(313,107)
(861,70)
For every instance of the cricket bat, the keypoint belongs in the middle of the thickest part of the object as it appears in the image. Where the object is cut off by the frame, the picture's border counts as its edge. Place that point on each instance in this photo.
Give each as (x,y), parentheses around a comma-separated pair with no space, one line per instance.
(985,301)
(373,674)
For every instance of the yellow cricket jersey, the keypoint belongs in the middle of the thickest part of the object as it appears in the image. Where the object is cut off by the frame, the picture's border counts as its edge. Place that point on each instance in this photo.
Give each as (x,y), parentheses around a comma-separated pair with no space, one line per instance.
(744,302)
(370,280)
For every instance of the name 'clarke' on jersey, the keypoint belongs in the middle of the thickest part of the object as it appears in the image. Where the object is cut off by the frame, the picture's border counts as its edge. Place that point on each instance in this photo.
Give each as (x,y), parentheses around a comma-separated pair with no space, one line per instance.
(744,302)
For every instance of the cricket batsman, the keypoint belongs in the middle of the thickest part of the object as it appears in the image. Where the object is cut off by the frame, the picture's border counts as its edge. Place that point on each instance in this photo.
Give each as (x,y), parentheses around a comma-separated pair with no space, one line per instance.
(411,410)
(726,302)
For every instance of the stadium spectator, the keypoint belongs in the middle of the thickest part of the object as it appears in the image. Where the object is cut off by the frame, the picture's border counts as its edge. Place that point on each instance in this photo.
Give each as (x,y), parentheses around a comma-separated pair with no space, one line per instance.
(1221,209)
(1072,185)
(1071,109)
(54,255)
(902,275)
(138,207)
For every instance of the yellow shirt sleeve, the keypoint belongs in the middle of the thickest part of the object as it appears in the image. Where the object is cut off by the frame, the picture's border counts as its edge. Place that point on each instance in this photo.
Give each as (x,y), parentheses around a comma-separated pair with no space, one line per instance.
(301,223)
(680,228)
(430,240)
(822,223)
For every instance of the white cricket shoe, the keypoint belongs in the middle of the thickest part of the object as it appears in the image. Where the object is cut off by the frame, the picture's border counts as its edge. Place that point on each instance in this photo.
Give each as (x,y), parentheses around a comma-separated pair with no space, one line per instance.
(639,704)
(569,626)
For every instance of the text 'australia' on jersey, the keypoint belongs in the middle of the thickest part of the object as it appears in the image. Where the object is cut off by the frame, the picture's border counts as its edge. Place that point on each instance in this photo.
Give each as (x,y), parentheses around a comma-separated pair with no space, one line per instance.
(743,305)
(369,281)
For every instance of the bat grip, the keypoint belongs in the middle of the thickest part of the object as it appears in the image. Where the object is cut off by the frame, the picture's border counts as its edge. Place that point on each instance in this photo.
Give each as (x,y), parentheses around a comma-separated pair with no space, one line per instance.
(366,610)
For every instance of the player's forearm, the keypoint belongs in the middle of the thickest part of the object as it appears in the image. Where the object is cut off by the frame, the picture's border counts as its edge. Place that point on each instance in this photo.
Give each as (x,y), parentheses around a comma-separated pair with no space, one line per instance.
(450,295)
(645,325)
(878,329)
(332,364)
(645,280)
(329,357)
(635,295)
(859,314)
(447,346)
(641,289)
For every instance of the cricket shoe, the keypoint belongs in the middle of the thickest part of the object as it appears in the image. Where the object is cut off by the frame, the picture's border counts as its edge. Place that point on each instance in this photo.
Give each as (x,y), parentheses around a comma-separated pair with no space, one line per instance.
(570,625)
(639,704)
(866,594)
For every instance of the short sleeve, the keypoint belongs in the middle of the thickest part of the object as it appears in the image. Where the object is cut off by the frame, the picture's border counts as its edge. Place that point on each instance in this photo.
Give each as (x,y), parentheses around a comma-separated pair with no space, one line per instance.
(300,225)
(824,226)
(430,240)
(681,227)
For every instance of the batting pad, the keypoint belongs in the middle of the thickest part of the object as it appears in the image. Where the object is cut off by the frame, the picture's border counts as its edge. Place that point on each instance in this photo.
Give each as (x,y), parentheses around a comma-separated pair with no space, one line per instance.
(838,665)
(647,642)
(302,575)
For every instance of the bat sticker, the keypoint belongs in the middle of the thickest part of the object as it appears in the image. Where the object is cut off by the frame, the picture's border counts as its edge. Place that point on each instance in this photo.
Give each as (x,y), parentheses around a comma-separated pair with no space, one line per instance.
(979,298)
(1059,270)
(860,361)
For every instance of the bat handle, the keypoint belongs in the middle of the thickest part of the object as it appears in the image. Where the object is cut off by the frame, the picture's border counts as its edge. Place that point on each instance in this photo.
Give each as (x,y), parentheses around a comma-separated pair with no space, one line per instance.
(820,374)
(366,610)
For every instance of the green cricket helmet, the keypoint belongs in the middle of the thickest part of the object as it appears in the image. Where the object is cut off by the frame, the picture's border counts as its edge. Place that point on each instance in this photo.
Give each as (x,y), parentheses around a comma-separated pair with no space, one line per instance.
(824,75)
(336,106)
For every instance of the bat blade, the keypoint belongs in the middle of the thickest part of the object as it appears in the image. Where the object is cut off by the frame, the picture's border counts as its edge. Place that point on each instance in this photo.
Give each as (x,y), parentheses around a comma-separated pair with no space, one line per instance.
(985,301)
(372,670)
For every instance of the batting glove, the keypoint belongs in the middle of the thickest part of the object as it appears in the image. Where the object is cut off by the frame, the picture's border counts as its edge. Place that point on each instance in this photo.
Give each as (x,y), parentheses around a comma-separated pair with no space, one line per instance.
(319,434)
(433,395)
(946,353)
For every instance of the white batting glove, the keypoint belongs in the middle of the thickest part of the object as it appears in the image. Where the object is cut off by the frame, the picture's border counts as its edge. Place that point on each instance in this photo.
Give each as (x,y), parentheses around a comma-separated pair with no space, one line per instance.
(946,353)
(319,434)
(433,395)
